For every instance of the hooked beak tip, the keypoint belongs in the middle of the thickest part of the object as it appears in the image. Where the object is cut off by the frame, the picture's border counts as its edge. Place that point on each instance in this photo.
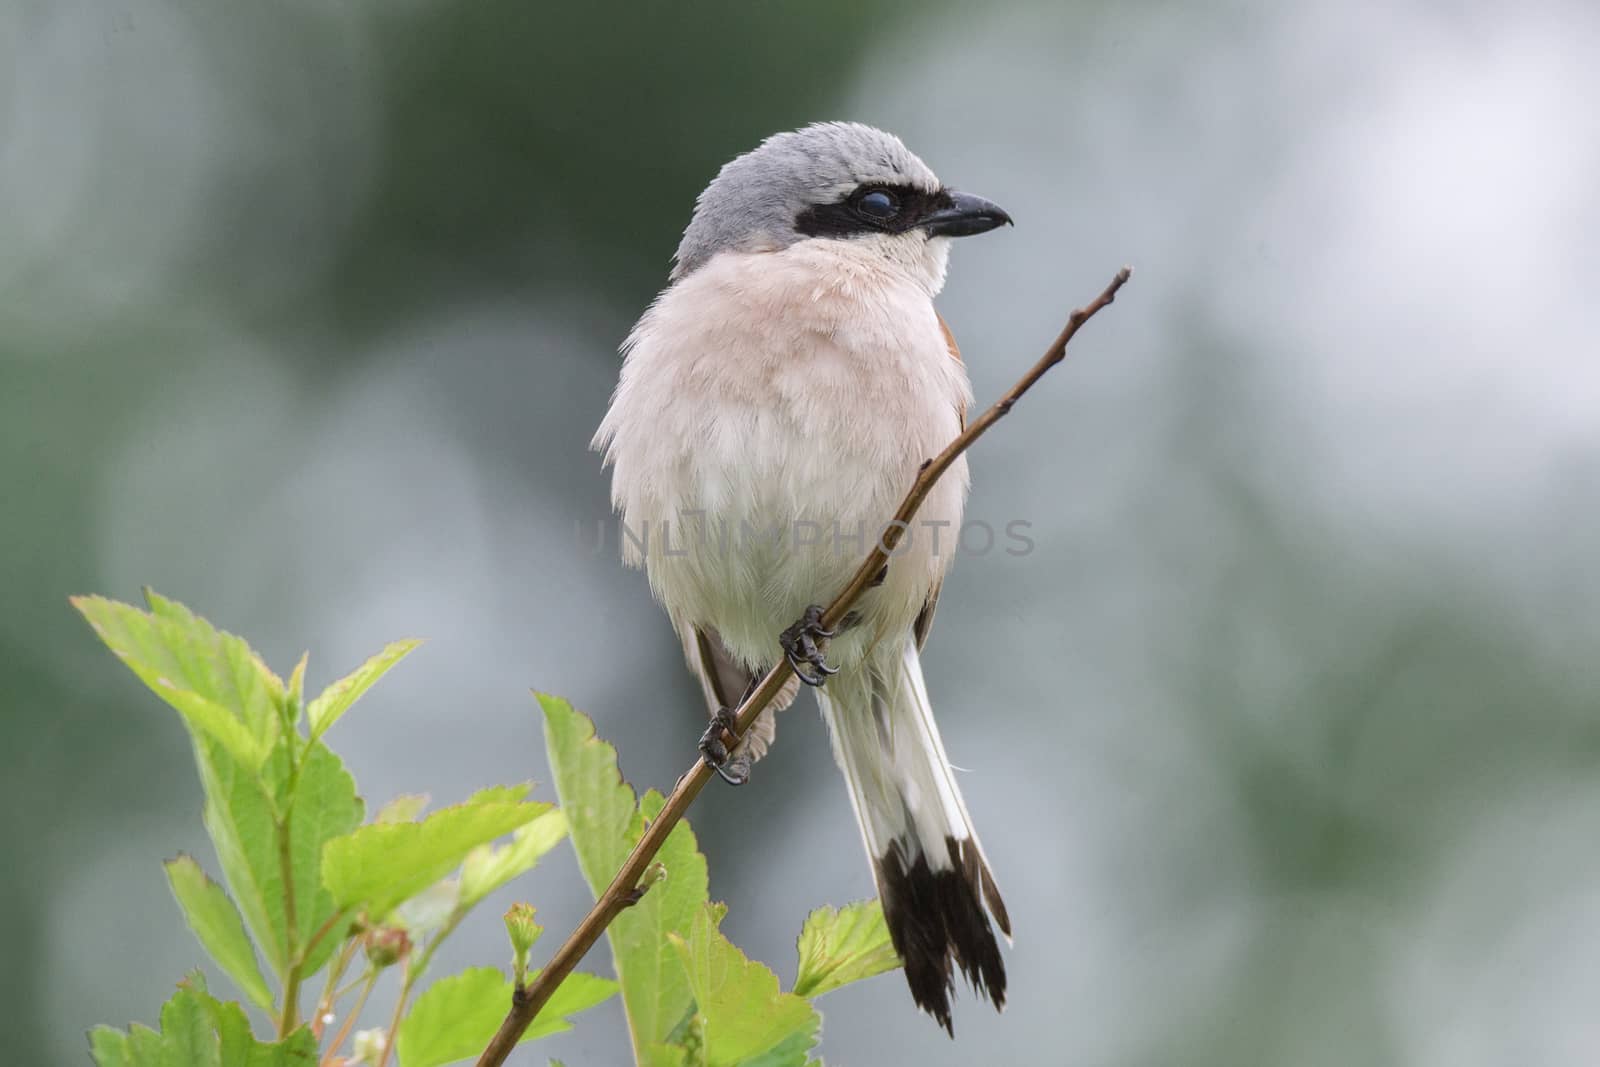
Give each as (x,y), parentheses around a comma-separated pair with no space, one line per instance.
(966,215)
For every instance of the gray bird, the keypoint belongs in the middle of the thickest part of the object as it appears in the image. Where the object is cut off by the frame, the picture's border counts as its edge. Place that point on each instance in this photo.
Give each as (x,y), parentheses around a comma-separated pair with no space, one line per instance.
(775,403)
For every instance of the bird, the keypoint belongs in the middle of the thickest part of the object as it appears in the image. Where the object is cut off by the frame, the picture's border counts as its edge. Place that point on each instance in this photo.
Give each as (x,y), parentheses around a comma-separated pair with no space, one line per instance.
(775,402)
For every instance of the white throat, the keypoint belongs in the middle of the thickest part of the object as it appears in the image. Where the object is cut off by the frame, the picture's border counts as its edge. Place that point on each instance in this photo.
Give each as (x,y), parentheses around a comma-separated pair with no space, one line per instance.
(913,256)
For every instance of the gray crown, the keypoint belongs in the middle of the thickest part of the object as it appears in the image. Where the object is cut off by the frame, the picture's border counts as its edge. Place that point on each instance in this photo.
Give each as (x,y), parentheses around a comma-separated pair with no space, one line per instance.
(753,201)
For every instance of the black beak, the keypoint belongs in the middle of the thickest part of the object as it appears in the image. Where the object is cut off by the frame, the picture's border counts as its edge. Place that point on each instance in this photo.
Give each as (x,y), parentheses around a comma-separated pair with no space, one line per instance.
(965,215)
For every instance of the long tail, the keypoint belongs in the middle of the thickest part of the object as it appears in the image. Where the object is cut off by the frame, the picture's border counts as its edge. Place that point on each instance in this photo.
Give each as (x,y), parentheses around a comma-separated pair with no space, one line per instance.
(932,876)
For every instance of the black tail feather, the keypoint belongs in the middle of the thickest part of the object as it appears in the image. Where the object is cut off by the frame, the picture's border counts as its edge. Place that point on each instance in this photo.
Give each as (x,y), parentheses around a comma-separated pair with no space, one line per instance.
(936,918)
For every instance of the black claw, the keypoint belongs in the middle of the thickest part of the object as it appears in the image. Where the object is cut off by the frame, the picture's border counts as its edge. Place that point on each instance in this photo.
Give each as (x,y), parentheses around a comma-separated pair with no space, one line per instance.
(800,647)
(713,749)
(736,771)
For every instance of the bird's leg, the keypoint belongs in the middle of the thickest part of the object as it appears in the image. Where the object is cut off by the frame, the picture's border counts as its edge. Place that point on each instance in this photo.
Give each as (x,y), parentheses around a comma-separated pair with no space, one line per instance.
(801,646)
(735,770)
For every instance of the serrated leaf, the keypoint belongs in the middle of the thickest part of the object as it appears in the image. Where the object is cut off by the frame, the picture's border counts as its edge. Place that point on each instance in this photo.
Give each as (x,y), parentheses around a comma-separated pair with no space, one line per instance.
(296,687)
(605,824)
(239,816)
(213,679)
(110,1047)
(238,1045)
(660,991)
(215,920)
(403,808)
(598,804)
(579,991)
(294,693)
(457,1016)
(326,807)
(746,1016)
(233,666)
(197,1030)
(379,866)
(843,945)
(487,868)
(336,699)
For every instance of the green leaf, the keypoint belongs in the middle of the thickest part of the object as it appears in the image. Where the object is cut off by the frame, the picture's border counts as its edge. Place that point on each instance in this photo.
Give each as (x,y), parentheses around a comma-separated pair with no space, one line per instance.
(326,807)
(216,922)
(579,991)
(790,1052)
(335,700)
(240,817)
(381,865)
(110,1047)
(296,688)
(293,699)
(427,912)
(403,808)
(487,868)
(458,1016)
(659,1055)
(605,825)
(220,687)
(197,1030)
(598,804)
(745,1014)
(238,1045)
(844,945)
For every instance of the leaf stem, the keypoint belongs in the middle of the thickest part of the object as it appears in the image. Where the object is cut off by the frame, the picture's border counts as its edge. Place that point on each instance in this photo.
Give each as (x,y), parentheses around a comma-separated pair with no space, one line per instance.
(282,827)
(322,931)
(408,978)
(623,890)
(371,979)
(330,994)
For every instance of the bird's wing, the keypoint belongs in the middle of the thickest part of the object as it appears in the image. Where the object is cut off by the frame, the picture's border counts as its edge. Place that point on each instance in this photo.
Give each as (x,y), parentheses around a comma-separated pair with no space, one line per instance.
(723,680)
(955,354)
(924,623)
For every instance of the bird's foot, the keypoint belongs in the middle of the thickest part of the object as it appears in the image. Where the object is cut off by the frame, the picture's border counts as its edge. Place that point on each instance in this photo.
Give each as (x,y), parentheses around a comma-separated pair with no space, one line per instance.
(733,767)
(804,645)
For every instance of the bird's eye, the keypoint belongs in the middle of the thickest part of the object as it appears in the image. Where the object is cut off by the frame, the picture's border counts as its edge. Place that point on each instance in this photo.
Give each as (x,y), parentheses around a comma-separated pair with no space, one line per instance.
(878,205)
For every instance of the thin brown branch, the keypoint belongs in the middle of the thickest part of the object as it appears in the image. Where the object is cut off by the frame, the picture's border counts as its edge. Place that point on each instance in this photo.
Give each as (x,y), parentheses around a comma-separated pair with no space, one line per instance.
(626,887)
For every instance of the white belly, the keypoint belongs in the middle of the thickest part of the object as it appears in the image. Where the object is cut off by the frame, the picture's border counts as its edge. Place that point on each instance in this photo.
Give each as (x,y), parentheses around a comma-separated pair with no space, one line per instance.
(764,432)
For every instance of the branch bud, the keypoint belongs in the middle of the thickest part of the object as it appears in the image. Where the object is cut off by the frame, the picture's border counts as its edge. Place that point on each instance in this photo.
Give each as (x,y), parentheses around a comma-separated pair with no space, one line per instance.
(387,945)
(523,932)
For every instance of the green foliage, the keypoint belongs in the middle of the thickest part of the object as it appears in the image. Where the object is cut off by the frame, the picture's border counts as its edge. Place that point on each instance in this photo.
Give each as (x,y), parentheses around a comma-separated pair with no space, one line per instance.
(487,868)
(322,805)
(216,922)
(692,998)
(380,866)
(606,822)
(457,1016)
(335,700)
(197,1030)
(306,887)
(222,690)
(843,945)
(306,882)
(744,1015)
(665,1056)
(523,932)
(269,833)
(403,808)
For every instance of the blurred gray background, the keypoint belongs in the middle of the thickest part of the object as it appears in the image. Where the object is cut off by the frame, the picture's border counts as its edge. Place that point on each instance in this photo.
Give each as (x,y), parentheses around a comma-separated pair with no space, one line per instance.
(1286,738)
